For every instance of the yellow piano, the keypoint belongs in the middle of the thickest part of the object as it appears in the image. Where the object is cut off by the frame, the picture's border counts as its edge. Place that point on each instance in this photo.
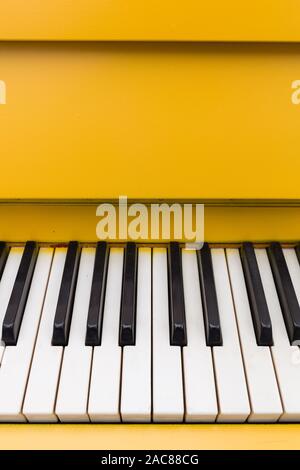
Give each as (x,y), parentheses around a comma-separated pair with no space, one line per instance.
(145,343)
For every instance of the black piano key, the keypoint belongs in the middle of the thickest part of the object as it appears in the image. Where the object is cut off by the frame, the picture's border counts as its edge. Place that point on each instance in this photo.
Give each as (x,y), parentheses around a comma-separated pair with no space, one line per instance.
(286,292)
(64,308)
(128,300)
(95,313)
(258,304)
(16,305)
(4,250)
(178,336)
(209,297)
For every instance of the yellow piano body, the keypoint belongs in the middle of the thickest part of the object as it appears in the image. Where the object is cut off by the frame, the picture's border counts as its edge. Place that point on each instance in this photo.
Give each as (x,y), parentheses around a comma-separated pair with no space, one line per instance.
(156,101)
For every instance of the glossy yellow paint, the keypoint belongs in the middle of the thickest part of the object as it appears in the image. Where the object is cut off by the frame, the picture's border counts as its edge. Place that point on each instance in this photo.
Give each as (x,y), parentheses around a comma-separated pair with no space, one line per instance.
(222,224)
(176,121)
(124,436)
(230,20)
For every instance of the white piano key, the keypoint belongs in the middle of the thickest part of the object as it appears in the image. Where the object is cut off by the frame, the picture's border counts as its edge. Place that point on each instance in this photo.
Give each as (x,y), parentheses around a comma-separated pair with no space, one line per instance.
(168,401)
(6,285)
(229,371)
(286,358)
(136,365)
(72,396)
(294,269)
(41,390)
(104,394)
(16,359)
(261,379)
(199,384)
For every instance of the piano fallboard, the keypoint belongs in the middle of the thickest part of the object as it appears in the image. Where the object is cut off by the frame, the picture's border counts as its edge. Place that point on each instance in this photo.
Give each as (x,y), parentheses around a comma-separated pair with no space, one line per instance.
(53,221)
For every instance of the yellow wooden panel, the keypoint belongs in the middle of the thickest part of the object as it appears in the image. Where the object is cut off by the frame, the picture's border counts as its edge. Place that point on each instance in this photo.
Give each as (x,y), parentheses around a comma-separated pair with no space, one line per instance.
(250,20)
(150,121)
(149,436)
(222,224)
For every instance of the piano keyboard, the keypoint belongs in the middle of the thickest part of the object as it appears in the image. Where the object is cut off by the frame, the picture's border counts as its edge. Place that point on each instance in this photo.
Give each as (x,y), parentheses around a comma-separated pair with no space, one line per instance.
(149,334)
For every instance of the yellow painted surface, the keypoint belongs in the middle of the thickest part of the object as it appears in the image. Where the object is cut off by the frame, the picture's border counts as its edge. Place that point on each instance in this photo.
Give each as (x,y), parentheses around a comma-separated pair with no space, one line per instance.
(65,222)
(149,121)
(250,20)
(149,436)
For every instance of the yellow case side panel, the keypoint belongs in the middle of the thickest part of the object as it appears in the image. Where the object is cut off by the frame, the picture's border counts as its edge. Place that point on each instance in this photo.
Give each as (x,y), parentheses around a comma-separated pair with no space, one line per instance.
(196,20)
(199,121)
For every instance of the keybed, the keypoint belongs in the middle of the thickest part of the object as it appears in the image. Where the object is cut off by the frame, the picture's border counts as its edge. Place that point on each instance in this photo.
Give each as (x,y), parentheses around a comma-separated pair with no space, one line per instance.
(135,333)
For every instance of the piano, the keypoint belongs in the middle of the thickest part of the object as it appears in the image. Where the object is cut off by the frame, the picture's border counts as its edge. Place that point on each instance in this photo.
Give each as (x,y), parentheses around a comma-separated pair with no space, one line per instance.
(124,343)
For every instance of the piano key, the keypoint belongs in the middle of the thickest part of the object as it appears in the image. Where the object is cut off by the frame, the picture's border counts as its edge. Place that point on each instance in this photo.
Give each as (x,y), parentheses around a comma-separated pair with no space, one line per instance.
(104,394)
(96,305)
(128,301)
(15,309)
(261,379)
(7,283)
(43,379)
(72,396)
(4,250)
(167,386)
(285,357)
(228,364)
(291,259)
(259,309)
(199,383)
(209,297)
(286,292)
(176,297)
(136,364)
(16,361)
(63,314)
